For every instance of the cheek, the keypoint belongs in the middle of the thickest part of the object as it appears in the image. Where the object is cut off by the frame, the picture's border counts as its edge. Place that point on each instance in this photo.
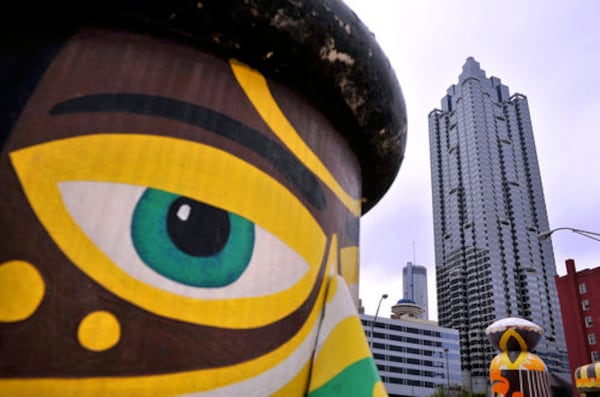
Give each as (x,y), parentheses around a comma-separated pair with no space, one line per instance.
(22,289)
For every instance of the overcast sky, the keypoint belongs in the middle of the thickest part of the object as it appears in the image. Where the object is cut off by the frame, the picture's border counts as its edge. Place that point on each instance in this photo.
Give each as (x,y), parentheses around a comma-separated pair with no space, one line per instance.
(547,50)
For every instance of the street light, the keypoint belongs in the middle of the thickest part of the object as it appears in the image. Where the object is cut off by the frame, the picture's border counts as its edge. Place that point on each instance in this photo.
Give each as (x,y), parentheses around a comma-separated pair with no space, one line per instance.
(585,233)
(384,296)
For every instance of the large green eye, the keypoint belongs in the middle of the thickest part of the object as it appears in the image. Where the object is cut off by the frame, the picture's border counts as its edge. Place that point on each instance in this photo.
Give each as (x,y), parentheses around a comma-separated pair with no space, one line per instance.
(191,242)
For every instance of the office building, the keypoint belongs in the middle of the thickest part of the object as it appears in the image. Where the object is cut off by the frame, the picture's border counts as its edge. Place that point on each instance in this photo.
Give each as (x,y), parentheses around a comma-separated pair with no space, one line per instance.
(414,280)
(414,356)
(579,297)
(489,208)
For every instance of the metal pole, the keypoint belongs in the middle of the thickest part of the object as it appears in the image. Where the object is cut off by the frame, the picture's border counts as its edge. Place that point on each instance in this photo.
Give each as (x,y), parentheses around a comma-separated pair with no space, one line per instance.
(585,233)
(384,296)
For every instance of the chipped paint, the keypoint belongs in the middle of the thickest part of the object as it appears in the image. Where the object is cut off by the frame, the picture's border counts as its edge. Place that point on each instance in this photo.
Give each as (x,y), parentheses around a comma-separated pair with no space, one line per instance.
(319,47)
(283,21)
(330,53)
(351,95)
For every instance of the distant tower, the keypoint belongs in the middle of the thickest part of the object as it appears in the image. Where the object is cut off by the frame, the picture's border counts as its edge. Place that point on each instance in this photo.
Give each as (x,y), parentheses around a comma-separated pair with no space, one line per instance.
(415,286)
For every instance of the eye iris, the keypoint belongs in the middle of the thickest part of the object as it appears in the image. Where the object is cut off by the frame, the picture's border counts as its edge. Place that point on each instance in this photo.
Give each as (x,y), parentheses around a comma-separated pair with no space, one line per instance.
(191,242)
(196,228)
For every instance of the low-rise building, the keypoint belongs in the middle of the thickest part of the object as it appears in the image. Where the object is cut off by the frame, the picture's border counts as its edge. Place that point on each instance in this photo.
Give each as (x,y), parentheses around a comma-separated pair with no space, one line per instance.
(414,356)
(579,297)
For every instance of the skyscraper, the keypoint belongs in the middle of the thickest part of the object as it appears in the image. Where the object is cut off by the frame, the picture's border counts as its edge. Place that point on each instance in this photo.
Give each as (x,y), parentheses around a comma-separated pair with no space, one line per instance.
(489,208)
(414,280)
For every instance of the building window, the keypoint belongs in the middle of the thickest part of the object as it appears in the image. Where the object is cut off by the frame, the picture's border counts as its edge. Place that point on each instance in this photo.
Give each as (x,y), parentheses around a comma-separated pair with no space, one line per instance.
(585,304)
(588,321)
(595,356)
(592,339)
(582,288)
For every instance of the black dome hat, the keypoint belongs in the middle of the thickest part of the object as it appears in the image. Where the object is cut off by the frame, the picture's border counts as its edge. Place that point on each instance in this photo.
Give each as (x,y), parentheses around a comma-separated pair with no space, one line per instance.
(319,48)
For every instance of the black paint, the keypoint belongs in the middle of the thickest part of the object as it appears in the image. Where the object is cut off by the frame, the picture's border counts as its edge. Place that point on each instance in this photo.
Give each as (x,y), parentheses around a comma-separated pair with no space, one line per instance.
(203,233)
(292,169)
(319,48)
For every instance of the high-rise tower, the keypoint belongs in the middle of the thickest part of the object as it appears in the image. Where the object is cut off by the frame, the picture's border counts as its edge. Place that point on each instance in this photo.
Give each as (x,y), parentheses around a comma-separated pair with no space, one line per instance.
(414,281)
(489,208)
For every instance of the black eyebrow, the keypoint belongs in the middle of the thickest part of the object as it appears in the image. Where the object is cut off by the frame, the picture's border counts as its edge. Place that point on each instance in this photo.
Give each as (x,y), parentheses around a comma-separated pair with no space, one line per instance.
(292,169)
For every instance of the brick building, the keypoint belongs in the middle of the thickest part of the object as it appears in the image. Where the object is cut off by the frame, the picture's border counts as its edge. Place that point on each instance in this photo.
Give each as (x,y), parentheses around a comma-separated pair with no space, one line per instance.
(579,295)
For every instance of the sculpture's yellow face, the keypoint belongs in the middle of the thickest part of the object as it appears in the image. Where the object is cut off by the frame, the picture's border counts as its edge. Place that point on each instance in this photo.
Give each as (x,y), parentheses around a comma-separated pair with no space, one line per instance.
(171,221)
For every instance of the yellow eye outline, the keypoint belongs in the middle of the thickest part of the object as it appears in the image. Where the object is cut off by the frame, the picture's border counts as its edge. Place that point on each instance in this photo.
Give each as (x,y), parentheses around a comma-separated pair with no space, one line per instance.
(177,166)
(272,267)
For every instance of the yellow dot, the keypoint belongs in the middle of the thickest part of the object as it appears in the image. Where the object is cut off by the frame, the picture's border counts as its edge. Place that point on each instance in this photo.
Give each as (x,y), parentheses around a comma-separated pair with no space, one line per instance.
(99,331)
(21,290)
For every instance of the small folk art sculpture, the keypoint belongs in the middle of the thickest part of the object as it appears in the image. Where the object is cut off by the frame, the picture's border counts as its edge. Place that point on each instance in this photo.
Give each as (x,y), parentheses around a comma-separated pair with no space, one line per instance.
(516,372)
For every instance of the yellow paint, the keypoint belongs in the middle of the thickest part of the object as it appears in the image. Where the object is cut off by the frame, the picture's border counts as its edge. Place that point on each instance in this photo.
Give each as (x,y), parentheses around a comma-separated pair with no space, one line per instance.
(99,331)
(256,88)
(298,385)
(586,382)
(176,166)
(525,360)
(349,262)
(583,371)
(345,345)
(21,290)
(379,390)
(506,335)
(502,361)
(154,161)
(161,385)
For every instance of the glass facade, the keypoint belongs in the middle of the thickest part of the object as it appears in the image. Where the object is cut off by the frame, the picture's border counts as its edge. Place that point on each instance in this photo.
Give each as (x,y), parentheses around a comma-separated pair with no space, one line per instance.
(489,208)
(414,357)
(414,280)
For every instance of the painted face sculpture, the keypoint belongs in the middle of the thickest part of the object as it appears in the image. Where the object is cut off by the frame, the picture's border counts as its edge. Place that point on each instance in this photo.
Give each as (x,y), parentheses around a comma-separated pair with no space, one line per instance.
(516,372)
(587,380)
(176,224)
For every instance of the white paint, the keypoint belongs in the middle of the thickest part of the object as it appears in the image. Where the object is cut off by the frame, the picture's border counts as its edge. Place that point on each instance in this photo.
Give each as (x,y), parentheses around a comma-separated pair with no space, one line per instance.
(104,212)
(183,212)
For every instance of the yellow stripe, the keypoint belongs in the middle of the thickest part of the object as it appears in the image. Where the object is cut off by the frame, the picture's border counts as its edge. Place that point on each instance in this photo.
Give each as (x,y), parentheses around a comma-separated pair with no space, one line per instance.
(583,372)
(256,88)
(176,166)
(379,390)
(297,386)
(173,383)
(506,336)
(344,346)
(349,264)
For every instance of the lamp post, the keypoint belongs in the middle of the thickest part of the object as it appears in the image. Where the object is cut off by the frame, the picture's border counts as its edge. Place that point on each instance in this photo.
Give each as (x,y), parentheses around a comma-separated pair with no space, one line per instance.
(585,233)
(384,296)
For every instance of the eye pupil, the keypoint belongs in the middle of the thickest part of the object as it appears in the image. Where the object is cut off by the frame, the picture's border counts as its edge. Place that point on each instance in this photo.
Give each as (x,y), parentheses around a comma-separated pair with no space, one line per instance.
(196,228)
(190,242)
